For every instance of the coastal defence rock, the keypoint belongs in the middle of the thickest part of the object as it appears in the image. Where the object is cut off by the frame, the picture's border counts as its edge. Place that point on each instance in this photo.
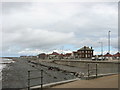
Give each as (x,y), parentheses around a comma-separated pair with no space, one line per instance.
(15,75)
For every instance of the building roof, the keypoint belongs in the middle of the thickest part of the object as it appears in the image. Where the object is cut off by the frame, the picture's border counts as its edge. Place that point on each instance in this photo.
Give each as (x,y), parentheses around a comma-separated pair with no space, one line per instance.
(85,48)
(74,52)
(117,54)
(41,54)
(62,55)
(68,54)
(108,55)
(55,53)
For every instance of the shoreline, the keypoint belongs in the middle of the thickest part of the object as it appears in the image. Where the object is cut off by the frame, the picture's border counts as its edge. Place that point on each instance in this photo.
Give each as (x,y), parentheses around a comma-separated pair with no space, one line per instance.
(4,62)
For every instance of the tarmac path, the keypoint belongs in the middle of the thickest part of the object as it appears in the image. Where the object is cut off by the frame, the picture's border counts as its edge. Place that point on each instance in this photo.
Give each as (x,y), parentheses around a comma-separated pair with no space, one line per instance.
(102,82)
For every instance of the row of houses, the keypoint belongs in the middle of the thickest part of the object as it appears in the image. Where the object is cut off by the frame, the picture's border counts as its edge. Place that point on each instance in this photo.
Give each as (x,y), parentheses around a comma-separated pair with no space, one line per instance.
(55,55)
(114,56)
(82,53)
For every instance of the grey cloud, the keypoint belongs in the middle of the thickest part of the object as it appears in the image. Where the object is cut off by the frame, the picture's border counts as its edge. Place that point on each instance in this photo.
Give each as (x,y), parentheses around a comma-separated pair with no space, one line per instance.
(9,7)
(46,25)
(37,38)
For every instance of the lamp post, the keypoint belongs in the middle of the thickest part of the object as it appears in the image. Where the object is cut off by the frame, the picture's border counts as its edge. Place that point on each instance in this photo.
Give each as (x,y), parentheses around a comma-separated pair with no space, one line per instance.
(109,42)
(101,48)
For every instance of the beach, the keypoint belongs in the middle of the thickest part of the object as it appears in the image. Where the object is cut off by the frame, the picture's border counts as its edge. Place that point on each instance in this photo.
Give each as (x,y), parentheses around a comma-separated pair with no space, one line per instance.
(15,75)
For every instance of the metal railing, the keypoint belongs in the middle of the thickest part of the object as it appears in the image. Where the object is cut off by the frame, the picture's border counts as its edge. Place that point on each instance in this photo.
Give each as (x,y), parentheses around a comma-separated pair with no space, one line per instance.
(32,78)
(93,70)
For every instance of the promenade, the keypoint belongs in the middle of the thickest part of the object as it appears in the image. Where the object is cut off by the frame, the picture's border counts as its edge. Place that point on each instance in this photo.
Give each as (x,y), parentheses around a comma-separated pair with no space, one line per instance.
(102,82)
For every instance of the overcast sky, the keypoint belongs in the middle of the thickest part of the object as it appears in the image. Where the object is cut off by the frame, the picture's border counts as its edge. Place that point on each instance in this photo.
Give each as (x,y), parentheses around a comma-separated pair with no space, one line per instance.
(30,28)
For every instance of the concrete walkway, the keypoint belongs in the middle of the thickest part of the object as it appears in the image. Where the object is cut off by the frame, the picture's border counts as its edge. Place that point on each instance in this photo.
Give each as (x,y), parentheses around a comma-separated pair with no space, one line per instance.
(102,82)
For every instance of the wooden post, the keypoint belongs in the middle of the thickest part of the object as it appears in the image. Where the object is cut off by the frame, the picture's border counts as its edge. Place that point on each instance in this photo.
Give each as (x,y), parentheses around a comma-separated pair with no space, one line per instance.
(41,79)
(28,80)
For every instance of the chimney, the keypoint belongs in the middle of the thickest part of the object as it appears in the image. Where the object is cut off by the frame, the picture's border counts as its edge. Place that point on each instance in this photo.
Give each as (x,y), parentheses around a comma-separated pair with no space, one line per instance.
(91,47)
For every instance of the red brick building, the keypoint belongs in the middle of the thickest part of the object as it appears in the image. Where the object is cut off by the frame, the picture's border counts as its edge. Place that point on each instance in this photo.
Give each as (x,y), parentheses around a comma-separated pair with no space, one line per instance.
(116,56)
(42,56)
(68,56)
(84,52)
(54,55)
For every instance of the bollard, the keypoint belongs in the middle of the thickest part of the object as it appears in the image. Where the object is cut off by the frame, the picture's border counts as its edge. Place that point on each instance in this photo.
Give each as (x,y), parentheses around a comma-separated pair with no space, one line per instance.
(28,80)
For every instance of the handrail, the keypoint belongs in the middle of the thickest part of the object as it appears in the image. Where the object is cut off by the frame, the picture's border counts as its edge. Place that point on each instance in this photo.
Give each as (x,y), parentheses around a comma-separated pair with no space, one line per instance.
(29,79)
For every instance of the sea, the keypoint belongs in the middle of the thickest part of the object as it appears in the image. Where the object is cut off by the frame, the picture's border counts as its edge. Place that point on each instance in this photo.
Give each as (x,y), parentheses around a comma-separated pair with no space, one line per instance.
(3,62)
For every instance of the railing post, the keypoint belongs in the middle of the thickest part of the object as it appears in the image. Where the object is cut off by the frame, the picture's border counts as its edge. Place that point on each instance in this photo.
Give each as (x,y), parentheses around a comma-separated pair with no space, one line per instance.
(41,79)
(96,71)
(88,71)
(28,80)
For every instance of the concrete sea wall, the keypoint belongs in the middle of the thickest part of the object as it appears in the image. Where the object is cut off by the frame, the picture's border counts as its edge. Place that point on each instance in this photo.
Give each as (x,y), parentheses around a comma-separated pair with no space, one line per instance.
(103,67)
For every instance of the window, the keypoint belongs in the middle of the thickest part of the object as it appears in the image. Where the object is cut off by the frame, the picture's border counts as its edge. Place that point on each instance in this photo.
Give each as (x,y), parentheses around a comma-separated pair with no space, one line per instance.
(82,55)
(88,55)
